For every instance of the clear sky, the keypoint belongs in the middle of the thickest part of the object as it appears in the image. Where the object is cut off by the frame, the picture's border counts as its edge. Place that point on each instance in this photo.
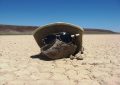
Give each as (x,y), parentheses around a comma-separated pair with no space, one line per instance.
(104,14)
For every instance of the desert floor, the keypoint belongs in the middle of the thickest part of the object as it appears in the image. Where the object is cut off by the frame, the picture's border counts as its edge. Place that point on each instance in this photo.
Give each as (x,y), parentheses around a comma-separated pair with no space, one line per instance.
(100,66)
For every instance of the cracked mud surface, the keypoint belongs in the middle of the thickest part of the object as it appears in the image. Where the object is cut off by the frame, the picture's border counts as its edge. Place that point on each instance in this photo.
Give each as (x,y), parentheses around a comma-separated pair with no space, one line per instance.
(100,66)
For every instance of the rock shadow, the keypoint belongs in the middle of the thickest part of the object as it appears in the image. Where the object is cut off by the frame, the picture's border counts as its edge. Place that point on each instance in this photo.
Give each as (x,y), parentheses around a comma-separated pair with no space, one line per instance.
(41,57)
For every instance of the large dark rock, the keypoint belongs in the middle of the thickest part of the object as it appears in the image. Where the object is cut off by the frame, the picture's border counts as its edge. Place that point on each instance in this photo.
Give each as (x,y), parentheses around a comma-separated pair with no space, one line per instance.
(58,50)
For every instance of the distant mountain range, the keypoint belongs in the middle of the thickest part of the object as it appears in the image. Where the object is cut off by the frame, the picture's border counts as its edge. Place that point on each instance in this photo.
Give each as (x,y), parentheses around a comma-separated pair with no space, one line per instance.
(25,30)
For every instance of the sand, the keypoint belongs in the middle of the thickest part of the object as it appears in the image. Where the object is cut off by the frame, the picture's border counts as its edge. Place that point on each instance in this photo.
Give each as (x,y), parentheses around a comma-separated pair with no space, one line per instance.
(100,66)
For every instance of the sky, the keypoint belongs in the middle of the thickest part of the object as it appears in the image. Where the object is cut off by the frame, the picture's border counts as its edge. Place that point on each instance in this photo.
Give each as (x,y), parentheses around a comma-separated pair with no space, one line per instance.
(102,14)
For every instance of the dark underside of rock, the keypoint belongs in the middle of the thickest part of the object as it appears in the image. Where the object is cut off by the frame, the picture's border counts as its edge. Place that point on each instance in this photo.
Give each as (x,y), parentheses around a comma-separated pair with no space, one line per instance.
(58,50)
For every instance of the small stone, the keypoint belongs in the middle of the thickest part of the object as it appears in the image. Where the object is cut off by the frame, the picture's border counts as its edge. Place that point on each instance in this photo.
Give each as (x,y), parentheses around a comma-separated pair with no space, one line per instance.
(79,58)
(72,57)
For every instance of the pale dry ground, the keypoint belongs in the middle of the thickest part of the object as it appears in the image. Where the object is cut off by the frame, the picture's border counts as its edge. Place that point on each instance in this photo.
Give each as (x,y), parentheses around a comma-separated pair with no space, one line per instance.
(101,64)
